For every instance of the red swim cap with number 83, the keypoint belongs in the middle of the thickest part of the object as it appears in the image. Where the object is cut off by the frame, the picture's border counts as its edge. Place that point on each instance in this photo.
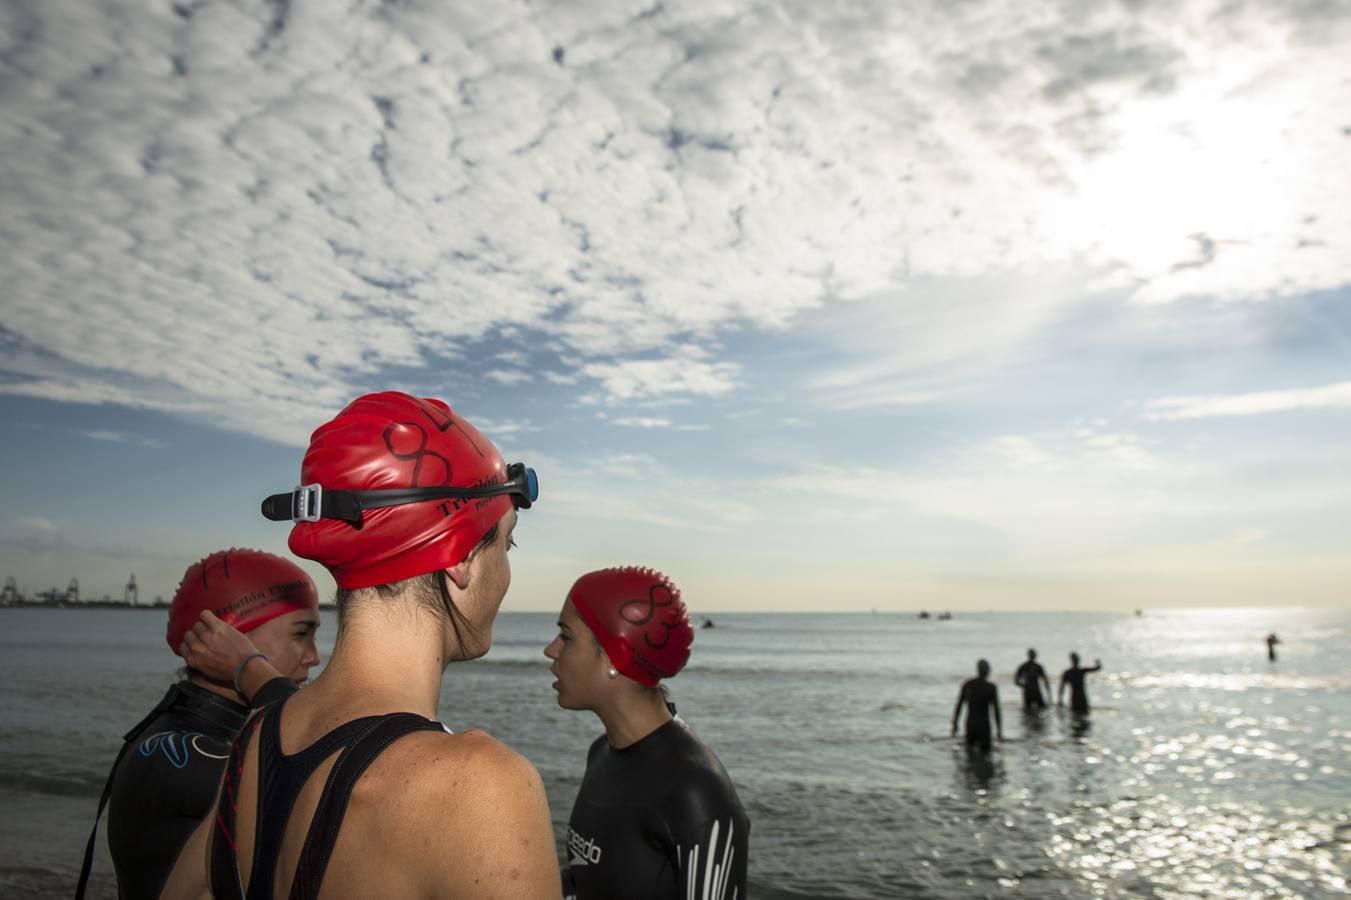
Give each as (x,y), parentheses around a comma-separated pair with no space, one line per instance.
(638,619)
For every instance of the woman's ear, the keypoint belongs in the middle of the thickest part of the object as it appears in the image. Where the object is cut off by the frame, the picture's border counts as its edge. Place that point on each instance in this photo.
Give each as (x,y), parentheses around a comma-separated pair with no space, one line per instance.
(459,574)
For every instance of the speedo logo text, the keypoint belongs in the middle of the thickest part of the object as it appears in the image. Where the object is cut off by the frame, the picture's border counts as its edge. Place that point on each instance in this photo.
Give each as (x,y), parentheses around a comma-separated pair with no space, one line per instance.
(582,851)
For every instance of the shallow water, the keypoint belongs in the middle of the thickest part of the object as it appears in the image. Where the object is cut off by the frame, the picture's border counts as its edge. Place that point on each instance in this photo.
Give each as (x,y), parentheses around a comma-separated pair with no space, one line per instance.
(1204,769)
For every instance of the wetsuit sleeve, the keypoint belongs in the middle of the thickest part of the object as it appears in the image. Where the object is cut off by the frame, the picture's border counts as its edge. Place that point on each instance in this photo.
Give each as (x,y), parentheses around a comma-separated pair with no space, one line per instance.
(712,842)
(565,872)
(278,688)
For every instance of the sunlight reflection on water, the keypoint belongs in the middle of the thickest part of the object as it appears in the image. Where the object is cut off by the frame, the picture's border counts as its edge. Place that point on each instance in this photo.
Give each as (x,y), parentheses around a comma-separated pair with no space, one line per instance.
(1194,850)
(1204,770)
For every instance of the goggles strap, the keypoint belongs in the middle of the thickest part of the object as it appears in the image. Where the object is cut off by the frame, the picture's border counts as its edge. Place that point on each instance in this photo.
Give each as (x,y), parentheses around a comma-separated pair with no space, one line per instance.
(311,502)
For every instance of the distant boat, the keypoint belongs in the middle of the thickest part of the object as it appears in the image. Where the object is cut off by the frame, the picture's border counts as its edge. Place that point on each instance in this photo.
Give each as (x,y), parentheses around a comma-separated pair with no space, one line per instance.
(924,614)
(708,623)
(943,617)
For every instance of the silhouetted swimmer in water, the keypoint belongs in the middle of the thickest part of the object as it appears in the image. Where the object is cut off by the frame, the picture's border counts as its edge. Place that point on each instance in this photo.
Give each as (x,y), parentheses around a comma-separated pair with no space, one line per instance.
(1272,641)
(979,695)
(1073,677)
(1030,677)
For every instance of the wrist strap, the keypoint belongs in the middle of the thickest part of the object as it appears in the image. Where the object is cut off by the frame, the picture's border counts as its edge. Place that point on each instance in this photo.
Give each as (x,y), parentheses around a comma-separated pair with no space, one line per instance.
(239,670)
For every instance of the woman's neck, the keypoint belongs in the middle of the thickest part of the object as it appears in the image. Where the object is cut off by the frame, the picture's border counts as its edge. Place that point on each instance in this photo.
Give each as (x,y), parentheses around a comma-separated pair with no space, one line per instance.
(219,689)
(386,657)
(633,716)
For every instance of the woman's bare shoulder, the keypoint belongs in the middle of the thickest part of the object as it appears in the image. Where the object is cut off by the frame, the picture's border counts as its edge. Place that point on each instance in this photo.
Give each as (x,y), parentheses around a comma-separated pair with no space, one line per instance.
(470,764)
(466,810)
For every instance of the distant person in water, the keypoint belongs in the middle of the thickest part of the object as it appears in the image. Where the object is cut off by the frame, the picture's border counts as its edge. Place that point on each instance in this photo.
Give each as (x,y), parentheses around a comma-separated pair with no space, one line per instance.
(1272,641)
(1030,677)
(979,695)
(1073,678)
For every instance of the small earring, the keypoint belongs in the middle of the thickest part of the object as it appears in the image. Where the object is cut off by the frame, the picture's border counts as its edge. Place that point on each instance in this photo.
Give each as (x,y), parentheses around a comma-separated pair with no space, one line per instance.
(612,674)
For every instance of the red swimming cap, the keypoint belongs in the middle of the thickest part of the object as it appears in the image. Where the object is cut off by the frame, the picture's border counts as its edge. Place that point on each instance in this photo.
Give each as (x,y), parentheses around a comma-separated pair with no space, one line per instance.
(638,618)
(245,588)
(393,440)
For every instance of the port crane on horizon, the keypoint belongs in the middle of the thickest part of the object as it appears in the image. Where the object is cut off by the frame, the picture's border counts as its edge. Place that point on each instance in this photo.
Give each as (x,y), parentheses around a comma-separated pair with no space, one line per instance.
(10,595)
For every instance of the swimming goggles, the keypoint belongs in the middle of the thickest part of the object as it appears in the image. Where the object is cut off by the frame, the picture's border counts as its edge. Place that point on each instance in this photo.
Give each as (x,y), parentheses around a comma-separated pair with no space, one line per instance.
(312,502)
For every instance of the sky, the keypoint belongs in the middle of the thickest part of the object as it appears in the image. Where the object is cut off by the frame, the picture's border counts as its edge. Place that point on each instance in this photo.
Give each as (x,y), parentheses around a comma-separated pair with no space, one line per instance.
(812,306)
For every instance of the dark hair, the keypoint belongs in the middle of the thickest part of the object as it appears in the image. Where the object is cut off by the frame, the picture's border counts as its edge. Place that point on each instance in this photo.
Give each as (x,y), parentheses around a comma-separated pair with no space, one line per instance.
(429,589)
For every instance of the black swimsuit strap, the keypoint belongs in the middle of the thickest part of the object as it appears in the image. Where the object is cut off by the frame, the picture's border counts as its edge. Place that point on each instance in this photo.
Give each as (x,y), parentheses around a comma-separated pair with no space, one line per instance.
(281,777)
(342,779)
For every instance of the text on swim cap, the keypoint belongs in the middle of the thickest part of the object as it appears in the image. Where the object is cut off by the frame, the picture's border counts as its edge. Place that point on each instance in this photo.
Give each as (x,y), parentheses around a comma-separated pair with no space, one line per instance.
(442,421)
(247,603)
(450,507)
(447,422)
(640,611)
(417,454)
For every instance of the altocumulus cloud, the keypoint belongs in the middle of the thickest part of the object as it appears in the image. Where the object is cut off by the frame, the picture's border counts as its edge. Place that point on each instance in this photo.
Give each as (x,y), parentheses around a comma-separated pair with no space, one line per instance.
(248,210)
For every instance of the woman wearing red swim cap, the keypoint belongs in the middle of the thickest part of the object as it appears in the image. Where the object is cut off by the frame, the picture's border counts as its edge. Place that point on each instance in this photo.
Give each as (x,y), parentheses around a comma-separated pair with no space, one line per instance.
(656,816)
(350,787)
(165,777)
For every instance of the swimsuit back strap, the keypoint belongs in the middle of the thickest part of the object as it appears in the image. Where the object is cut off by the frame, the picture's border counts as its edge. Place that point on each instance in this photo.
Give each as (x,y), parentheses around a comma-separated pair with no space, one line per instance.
(356,757)
(281,777)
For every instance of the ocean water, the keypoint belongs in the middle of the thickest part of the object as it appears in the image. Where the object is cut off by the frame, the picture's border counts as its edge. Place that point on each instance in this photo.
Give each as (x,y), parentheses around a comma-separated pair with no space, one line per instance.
(1203,771)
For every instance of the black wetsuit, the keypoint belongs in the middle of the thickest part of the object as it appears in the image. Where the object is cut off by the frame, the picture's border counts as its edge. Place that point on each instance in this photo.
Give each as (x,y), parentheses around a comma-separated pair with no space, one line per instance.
(164,781)
(660,820)
(1029,677)
(1074,677)
(979,695)
(280,780)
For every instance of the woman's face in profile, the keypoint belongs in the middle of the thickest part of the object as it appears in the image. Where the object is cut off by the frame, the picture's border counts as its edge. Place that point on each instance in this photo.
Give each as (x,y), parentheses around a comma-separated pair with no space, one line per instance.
(579,666)
(489,579)
(288,641)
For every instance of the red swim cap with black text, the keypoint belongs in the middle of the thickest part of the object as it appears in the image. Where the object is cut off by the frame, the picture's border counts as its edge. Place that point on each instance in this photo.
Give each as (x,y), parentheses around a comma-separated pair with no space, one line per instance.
(244,588)
(394,440)
(638,619)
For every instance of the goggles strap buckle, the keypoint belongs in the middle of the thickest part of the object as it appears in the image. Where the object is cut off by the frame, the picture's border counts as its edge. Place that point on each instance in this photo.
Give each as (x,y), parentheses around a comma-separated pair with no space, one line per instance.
(307,503)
